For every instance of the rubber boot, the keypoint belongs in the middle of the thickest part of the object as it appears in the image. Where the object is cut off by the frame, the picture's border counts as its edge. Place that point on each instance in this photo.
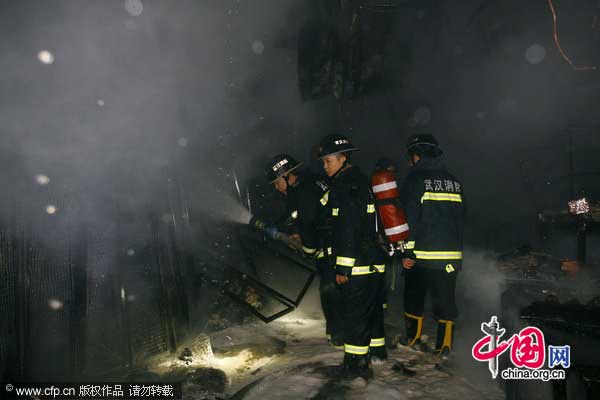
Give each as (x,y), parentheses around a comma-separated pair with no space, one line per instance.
(445,336)
(356,366)
(336,342)
(377,352)
(414,329)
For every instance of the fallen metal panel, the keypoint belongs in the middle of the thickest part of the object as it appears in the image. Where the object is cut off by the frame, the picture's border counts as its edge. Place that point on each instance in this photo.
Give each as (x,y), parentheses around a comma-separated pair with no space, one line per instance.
(277,266)
(278,280)
(261,300)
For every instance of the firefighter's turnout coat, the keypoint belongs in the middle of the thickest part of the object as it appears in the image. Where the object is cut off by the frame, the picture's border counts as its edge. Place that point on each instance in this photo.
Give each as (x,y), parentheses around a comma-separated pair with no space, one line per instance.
(433,201)
(357,255)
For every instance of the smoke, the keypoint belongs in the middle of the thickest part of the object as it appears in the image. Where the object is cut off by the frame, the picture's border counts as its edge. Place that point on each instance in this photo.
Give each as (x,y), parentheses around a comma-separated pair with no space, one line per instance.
(111,111)
(220,205)
(240,215)
(108,93)
(115,98)
(482,292)
(480,284)
(478,293)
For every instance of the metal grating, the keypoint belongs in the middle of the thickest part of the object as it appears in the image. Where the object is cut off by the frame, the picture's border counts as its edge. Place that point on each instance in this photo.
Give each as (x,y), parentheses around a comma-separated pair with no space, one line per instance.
(79,295)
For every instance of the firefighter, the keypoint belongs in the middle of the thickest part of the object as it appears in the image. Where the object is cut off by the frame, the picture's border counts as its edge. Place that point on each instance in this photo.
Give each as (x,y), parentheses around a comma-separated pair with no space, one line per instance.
(356,255)
(306,196)
(433,201)
(282,173)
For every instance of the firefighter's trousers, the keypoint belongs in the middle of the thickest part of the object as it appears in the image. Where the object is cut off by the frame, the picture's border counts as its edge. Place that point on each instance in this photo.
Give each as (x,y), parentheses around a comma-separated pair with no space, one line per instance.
(361,305)
(377,344)
(331,300)
(440,284)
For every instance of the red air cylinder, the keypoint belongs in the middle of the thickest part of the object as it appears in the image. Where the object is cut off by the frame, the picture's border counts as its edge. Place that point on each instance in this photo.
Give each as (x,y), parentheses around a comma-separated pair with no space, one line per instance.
(386,194)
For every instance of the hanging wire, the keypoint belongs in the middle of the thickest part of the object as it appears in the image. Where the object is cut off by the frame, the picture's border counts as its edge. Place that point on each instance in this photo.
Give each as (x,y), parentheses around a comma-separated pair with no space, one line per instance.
(560,49)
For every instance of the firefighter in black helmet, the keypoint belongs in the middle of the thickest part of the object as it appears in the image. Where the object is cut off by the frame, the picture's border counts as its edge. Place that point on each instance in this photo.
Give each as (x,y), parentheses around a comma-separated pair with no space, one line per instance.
(356,256)
(433,201)
(282,171)
(282,166)
(307,195)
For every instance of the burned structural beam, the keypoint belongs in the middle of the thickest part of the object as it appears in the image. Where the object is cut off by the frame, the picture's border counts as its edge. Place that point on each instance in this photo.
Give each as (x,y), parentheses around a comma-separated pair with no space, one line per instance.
(581,240)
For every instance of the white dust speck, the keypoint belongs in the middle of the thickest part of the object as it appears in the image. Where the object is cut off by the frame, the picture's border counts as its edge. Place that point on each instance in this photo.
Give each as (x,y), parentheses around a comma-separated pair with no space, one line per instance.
(535,54)
(422,115)
(55,304)
(42,179)
(258,47)
(45,57)
(134,7)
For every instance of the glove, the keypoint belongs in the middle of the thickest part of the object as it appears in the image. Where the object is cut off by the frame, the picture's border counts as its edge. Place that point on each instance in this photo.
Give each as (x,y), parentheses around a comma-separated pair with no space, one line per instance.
(404,252)
(345,271)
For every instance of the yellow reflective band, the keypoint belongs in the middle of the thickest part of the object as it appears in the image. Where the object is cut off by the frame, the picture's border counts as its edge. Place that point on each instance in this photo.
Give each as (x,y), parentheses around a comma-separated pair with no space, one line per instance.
(449,268)
(321,253)
(308,250)
(438,255)
(325,198)
(335,212)
(363,270)
(370,208)
(385,306)
(345,261)
(410,245)
(295,214)
(441,197)
(377,342)
(360,350)
(380,268)
(338,347)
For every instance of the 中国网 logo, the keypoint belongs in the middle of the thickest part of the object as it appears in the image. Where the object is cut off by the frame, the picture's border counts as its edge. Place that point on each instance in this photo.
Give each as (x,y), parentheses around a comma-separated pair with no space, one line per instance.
(527,351)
